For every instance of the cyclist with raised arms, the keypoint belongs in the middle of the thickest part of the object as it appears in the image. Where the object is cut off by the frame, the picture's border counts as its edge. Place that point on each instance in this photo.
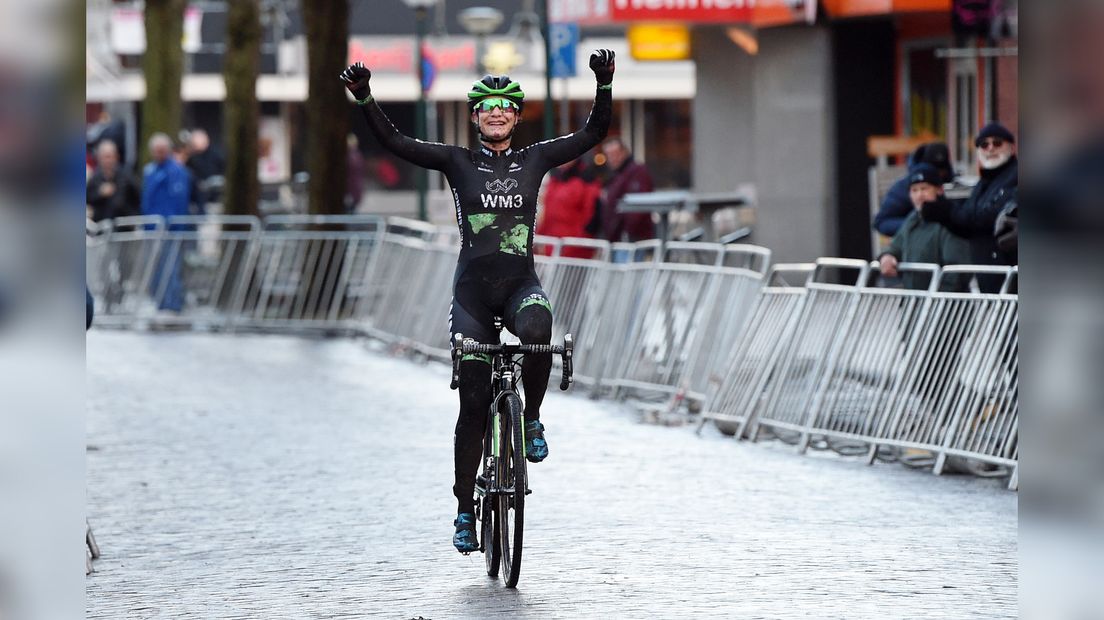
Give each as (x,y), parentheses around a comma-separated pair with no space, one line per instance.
(494,188)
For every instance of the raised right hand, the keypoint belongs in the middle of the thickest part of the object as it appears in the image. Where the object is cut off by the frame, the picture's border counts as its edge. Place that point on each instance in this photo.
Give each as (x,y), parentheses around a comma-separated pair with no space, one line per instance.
(356,77)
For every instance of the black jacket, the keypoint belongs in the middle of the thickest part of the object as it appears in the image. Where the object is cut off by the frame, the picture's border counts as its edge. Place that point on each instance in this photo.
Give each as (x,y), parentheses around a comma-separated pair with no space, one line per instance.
(126,199)
(975,218)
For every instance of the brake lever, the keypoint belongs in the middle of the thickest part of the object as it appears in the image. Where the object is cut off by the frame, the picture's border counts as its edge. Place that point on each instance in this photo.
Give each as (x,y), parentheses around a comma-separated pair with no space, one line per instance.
(566,378)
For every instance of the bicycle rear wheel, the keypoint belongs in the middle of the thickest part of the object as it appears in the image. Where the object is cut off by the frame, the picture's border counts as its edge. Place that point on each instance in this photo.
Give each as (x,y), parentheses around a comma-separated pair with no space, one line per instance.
(511,473)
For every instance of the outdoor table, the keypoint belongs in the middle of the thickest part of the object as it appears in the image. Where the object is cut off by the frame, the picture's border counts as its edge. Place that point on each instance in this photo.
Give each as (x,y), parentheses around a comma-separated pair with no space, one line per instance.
(666,201)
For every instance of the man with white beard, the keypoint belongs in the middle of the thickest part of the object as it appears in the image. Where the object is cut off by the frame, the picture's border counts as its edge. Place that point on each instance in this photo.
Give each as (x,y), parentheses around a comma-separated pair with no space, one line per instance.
(975,219)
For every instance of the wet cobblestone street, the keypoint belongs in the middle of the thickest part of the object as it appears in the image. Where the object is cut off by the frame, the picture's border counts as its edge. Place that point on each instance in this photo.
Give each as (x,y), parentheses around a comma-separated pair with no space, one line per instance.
(248,476)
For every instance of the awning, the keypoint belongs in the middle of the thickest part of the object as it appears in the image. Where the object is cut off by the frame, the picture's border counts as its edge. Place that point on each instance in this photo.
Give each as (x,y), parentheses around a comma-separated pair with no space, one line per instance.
(863,8)
(759,13)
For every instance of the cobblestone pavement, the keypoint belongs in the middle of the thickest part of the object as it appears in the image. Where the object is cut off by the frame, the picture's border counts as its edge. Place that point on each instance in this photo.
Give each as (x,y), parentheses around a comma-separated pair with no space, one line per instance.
(275,477)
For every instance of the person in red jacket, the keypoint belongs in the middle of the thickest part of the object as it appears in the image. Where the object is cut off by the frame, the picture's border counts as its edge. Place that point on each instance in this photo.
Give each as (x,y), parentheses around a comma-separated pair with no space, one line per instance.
(627,177)
(569,203)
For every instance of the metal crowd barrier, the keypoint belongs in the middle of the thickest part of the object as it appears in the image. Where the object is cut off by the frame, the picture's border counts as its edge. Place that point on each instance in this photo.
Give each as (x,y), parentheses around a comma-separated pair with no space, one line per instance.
(845,365)
(575,276)
(813,354)
(820,330)
(307,272)
(756,352)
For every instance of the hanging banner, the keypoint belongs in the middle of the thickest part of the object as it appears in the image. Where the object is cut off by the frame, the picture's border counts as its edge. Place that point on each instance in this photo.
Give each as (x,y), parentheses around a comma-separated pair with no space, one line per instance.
(128,30)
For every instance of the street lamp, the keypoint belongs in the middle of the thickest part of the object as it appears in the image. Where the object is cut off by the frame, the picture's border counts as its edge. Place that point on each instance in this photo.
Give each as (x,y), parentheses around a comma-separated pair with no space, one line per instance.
(421,14)
(548,133)
(480,21)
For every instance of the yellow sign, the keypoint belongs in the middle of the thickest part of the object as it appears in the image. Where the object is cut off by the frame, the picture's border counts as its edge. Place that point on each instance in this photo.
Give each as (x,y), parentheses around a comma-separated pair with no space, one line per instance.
(659,41)
(502,57)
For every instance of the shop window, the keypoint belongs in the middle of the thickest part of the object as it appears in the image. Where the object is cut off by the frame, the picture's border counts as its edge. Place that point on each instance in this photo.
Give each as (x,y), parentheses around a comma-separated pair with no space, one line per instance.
(667,142)
(382,170)
(926,90)
(964,95)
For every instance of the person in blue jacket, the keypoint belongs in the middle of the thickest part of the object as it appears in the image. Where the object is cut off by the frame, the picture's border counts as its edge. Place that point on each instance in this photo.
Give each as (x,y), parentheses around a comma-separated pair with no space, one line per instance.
(166,192)
(896,206)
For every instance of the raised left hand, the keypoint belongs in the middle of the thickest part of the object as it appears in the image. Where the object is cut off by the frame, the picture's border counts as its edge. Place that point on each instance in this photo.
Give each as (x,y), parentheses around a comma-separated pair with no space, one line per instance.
(601,63)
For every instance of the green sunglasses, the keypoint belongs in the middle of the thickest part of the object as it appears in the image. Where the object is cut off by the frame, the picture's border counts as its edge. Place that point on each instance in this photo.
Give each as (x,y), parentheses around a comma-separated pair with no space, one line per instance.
(491,103)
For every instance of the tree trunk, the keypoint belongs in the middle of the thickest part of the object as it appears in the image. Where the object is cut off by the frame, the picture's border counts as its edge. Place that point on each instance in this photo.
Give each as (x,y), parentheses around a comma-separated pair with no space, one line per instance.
(327,123)
(163,66)
(241,111)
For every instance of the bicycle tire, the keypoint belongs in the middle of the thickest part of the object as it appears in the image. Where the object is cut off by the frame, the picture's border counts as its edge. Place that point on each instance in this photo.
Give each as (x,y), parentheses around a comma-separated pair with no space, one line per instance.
(512,480)
(488,523)
(492,552)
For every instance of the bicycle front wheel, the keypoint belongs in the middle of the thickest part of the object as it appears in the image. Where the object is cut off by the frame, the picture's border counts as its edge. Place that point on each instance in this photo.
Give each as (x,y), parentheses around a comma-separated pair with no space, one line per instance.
(512,482)
(488,534)
(486,505)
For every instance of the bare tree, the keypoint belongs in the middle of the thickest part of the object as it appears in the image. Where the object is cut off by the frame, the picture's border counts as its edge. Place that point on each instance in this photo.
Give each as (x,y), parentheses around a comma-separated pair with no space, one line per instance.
(241,110)
(163,65)
(327,122)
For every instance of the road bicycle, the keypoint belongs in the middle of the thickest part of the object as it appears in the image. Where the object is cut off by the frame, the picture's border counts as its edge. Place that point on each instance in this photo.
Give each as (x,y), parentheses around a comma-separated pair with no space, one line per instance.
(501,487)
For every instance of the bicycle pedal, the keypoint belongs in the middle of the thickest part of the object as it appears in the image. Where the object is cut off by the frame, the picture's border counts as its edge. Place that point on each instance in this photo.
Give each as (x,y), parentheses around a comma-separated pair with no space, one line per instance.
(528,491)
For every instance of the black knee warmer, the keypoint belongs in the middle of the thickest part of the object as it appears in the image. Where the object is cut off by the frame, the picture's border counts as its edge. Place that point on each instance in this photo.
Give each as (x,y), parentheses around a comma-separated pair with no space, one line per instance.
(475,400)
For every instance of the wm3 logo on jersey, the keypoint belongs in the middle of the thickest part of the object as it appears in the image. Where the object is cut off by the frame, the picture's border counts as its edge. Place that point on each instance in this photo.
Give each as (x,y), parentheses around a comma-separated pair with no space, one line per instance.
(501,186)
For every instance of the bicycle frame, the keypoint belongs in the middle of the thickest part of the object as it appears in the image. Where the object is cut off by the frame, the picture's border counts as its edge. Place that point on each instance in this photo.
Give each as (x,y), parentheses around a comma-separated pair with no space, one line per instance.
(504,379)
(500,498)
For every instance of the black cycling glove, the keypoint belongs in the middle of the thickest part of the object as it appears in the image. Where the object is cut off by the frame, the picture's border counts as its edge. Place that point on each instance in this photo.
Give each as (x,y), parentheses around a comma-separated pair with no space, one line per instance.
(601,63)
(356,79)
(938,210)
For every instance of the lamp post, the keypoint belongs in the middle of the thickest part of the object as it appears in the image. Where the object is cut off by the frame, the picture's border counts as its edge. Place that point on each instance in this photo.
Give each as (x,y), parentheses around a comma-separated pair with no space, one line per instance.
(480,21)
(548,132)
(421,15)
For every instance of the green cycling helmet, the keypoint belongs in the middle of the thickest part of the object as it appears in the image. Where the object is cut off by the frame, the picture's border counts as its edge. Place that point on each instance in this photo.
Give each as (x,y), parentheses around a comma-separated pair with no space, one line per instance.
(496,86)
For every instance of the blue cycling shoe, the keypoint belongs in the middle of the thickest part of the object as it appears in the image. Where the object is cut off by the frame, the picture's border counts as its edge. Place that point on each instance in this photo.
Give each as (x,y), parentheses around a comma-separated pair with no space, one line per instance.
(464,539)
(536,448)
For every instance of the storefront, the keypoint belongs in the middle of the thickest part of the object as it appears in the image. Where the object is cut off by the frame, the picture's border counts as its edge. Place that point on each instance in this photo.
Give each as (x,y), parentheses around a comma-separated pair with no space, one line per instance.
(789,91)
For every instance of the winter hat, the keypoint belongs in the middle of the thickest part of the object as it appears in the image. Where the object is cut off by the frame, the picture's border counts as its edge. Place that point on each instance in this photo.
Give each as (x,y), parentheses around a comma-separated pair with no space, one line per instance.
(925,173)
(994,130)
(938,155)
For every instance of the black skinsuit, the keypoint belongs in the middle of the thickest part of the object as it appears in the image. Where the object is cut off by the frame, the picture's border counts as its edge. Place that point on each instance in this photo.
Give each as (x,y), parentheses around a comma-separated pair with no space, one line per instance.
(495,195)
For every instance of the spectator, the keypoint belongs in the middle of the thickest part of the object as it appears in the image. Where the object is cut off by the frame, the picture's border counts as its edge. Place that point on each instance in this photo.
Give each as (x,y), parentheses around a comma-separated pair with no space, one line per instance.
(204,160)
(382,174)
(626,177)
(570,199)
(165,192)
(897,206)
(976,218)
(112,191)
(108,129)
(197,204)
(165,182)
(206,163)
(354,181)
(920,240)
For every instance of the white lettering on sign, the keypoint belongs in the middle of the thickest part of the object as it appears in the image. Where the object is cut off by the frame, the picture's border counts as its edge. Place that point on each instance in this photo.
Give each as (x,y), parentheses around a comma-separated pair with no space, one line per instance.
(561,11)
(393,54)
